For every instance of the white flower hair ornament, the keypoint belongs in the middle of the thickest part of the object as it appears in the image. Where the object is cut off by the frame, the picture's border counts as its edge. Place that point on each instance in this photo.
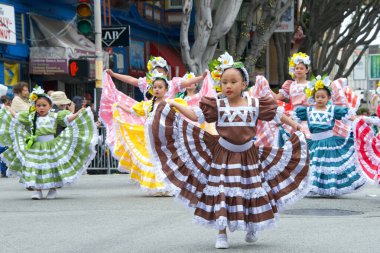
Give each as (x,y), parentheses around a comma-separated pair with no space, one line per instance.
(315,84)
(296,59)
(157,61)
(218,66)
(153,76)
(188,76)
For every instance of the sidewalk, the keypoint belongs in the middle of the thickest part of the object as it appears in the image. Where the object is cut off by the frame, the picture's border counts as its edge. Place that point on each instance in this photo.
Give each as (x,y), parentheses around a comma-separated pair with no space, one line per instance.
(108,213)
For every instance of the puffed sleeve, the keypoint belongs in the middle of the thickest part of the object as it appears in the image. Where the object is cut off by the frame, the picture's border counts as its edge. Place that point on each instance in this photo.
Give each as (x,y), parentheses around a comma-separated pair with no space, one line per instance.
(23,118)
(267,108)
(207,89)
(62,118)
(209,109)
(285,89)
(343,113)
(300,114)
(138,108)
(142,84)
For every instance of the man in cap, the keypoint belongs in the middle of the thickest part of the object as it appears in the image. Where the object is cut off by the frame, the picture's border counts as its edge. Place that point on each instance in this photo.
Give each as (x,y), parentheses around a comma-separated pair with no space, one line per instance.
(61,102)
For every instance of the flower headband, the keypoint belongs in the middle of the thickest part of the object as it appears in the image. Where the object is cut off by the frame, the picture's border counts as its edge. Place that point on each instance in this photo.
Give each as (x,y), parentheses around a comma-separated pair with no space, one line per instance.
(298,58)
(317,84)
(153,76)
(156,61)
(36,93)
(378,88)
(188,76)
(225,61)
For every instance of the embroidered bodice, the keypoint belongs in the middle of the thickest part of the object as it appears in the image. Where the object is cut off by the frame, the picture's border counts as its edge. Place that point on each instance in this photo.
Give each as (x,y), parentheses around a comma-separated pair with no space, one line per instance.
(320,121)
(237,124)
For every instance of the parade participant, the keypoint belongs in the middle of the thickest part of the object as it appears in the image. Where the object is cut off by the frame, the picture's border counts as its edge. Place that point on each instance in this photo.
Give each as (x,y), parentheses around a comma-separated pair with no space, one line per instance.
(228,180)
(332,158)
(367,142)
(177,84)
(192,97)
(41,161)
(132,140)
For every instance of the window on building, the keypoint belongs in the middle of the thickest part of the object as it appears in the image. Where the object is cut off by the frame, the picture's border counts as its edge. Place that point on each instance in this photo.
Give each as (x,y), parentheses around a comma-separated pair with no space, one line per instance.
(20,27)
(175,4)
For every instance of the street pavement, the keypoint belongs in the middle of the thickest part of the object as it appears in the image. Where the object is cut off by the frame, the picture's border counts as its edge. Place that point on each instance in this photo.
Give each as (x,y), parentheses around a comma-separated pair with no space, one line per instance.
(108,213)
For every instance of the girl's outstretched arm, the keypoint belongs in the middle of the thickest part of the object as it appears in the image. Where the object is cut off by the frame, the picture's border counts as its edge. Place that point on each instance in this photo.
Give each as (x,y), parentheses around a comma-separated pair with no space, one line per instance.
(185,110)
(124,78)
(288,121)
(189,82)
(75,115)
(128,110)
(9,109)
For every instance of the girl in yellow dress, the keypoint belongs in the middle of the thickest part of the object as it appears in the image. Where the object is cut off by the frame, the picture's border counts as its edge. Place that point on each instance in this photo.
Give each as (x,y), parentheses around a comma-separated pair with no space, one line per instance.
(132,140)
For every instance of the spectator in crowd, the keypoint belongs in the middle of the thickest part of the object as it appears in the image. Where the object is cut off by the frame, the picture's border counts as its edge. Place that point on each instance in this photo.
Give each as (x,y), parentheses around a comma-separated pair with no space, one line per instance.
(50,92)
(61,102)
(5,101)
(20,101)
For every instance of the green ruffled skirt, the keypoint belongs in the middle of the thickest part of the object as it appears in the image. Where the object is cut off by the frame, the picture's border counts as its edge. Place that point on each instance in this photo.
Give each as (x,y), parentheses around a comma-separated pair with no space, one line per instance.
(49,164)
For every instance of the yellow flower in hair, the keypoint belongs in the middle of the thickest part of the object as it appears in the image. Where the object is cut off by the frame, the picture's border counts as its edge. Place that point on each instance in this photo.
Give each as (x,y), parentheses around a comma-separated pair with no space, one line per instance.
(319,85)
(216,75)
(150,66)
(378,84)
(33,97)
(217,88)
(32,108)
(308,92)
(292,64)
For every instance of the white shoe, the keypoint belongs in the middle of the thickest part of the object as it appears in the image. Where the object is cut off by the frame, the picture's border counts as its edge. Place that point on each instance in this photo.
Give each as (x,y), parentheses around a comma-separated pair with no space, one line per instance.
(251,237)
(52,194)
(221,241)
(37,195)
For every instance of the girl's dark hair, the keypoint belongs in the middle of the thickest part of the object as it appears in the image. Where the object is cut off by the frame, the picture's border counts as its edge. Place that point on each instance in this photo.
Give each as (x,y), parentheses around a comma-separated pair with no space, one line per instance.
(46,98)
(5,99)
(324,88)
(154,100)
(240,71)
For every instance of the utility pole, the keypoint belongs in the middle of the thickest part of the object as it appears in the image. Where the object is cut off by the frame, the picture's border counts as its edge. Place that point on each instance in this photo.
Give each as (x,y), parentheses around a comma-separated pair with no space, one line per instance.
(98,52)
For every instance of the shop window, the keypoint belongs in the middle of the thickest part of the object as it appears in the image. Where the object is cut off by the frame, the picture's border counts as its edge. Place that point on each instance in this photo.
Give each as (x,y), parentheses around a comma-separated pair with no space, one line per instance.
(20,27)
(175,4)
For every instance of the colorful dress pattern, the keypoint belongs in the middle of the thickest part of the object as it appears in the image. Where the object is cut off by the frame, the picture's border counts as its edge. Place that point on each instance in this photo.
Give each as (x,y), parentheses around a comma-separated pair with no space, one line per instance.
(50,162)
(368,146)
(332,158)
(131,149)
(229,181)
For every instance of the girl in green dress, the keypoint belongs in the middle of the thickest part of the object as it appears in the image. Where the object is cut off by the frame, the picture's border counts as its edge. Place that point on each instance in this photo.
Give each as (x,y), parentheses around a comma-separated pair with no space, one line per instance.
(40,160)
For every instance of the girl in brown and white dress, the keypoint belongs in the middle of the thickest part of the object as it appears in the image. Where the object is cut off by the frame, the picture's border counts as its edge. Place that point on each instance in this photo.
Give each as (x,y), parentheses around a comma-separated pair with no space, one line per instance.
(227,179)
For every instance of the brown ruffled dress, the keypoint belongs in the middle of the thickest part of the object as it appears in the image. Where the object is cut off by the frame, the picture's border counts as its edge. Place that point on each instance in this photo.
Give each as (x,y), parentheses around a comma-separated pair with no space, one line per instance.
(227,179)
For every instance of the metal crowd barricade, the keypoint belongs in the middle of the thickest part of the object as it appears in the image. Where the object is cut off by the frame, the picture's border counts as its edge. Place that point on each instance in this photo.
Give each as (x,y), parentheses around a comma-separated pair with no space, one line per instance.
(103,160)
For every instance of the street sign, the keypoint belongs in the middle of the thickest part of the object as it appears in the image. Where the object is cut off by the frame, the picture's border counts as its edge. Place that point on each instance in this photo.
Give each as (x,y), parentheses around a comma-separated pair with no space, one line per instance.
(79,68)
(115,36)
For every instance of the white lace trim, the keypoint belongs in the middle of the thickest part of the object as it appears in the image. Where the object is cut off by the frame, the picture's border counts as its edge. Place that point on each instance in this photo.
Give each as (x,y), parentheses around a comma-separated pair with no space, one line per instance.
(283,92)
(199,113)
(67,180)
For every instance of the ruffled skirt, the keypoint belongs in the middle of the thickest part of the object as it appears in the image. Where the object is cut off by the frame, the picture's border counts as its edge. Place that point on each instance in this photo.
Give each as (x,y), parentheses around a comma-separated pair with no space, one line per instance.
(238,190)
(131,150)
(49,164)
(333,166)
(368,149)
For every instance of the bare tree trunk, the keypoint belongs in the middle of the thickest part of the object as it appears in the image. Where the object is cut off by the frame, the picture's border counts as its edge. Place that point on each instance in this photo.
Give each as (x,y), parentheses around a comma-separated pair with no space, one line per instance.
(206,33)
(282,43)
(271,13)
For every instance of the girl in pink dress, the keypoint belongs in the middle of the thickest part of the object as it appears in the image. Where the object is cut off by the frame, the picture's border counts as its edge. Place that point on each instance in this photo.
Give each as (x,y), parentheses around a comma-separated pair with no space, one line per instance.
(177,84)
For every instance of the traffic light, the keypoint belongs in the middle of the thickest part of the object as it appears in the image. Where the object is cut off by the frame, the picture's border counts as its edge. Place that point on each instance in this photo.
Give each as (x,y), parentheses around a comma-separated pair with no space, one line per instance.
(84,17)
(79,68)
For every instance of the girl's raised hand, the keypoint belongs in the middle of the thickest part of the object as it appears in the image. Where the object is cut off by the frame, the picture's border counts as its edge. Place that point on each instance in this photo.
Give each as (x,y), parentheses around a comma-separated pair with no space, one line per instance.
(109,72)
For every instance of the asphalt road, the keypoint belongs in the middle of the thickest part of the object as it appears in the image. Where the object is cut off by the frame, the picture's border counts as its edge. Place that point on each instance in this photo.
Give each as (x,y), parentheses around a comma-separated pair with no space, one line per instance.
(109,213)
